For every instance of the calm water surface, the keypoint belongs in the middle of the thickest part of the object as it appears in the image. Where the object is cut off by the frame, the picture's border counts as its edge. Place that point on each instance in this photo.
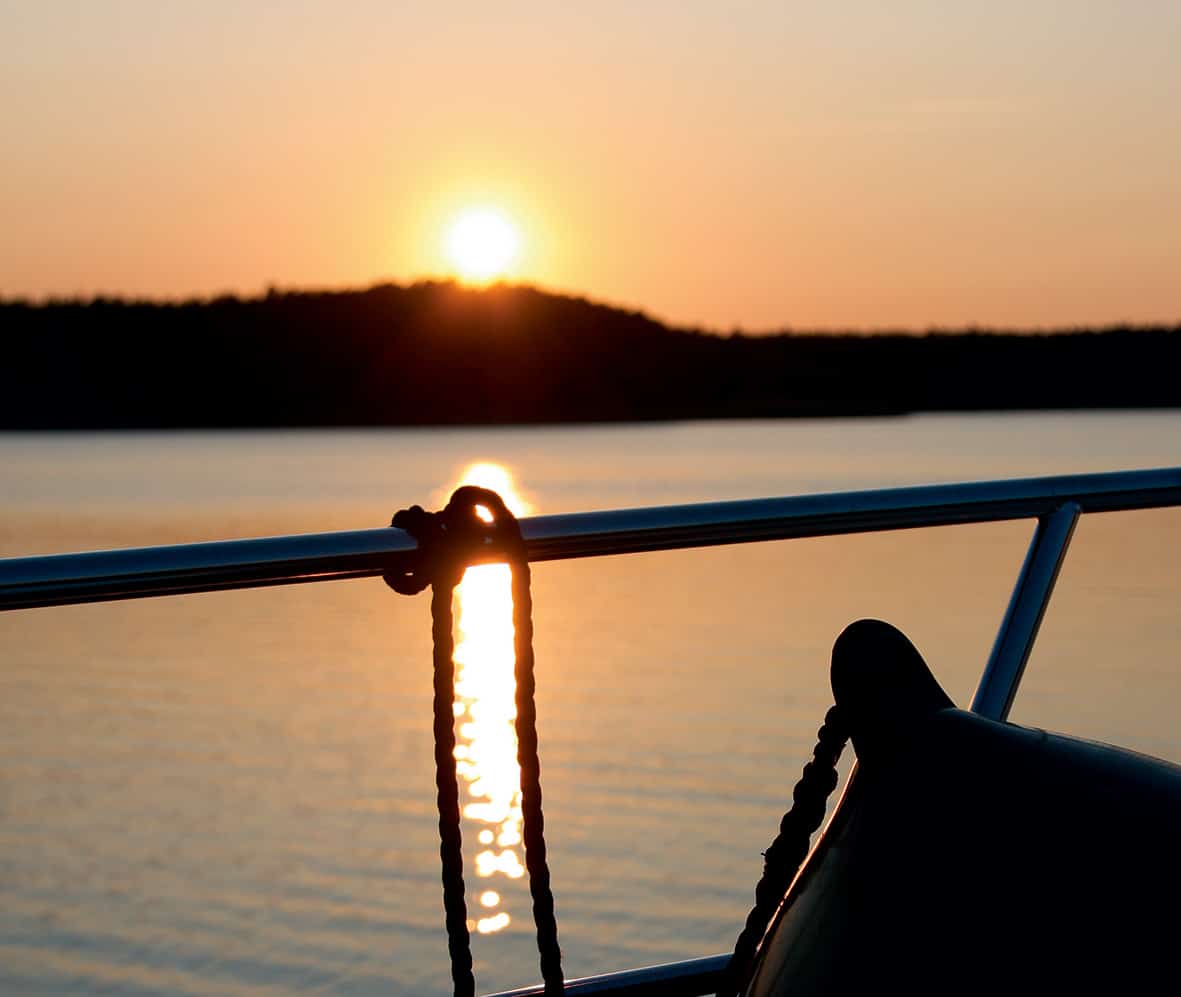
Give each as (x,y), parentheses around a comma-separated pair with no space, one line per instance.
(233,793)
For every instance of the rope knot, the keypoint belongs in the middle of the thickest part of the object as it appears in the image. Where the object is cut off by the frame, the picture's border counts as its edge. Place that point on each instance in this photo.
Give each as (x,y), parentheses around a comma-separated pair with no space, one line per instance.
(454,537)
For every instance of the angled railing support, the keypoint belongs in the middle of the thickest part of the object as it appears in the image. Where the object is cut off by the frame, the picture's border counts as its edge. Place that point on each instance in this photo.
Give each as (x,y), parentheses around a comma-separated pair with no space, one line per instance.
(1027,606)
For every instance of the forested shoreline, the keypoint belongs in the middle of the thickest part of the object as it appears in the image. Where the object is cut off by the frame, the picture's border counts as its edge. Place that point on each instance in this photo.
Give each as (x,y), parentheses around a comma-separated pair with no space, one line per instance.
(437,353)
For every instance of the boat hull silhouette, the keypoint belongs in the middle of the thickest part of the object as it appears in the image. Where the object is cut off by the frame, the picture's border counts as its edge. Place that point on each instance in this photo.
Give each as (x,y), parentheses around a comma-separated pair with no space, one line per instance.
(968,854)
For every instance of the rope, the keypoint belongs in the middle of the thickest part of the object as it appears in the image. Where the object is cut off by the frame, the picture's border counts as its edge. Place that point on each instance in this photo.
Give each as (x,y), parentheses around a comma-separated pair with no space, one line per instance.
(448,541)
(533,821)
(789,849)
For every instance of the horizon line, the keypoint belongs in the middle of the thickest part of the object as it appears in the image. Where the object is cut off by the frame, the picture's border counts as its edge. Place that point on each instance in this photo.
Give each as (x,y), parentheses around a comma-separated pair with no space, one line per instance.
(273,290)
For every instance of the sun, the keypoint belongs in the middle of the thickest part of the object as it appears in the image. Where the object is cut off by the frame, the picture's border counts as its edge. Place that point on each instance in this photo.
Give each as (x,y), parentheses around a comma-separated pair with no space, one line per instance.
(482,244)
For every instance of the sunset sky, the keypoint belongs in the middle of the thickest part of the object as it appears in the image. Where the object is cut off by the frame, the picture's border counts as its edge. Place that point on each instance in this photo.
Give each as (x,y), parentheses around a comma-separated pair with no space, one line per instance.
(726,164)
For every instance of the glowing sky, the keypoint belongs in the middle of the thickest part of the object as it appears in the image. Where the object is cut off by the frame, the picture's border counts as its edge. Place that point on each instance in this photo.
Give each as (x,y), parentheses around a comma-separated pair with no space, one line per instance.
(761,164)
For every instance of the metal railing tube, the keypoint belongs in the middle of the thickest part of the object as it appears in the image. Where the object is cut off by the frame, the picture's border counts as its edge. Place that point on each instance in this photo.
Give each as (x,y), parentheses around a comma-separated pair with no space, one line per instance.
(60,579)
(691,978)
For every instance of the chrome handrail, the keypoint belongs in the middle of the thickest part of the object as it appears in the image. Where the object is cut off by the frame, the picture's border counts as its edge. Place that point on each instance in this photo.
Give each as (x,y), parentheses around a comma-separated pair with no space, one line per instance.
(690,978)
(96,576)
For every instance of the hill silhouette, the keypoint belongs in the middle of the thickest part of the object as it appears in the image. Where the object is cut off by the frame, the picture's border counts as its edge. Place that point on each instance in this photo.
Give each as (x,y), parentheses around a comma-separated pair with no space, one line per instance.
(437,353)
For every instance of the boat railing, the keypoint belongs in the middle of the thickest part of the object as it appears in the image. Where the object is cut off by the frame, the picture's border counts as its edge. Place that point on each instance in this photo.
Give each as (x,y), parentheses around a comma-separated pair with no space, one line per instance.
(1055,503)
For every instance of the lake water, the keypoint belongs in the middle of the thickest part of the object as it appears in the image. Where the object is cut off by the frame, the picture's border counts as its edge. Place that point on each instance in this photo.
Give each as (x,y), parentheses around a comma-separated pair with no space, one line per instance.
(233,793)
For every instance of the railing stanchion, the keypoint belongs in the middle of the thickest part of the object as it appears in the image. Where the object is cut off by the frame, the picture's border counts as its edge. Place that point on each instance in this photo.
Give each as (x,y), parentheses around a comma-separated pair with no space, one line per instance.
(1027,606)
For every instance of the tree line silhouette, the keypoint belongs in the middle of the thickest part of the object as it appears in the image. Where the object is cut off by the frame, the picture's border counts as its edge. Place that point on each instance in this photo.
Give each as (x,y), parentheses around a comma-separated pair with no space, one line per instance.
(437,353)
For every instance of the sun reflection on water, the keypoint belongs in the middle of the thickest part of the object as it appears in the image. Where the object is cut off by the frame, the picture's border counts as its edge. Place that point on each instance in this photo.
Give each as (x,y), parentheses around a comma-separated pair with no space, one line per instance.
(485,708)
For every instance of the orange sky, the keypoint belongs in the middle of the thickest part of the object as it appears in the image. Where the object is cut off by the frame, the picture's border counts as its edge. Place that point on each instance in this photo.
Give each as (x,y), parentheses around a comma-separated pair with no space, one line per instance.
(753,164)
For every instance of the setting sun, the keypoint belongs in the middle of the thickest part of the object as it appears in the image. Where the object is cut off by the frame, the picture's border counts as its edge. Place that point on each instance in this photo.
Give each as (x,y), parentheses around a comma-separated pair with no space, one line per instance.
(482,244)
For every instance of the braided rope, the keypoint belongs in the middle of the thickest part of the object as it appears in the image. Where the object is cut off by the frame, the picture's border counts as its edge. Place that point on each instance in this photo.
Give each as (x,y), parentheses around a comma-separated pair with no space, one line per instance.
(789,849)
(533,821)
(448,541)
(447,795)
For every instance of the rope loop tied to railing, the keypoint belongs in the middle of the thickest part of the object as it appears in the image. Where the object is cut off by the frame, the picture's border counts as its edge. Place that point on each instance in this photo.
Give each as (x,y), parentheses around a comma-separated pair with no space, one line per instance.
(455,537)
(448,542)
